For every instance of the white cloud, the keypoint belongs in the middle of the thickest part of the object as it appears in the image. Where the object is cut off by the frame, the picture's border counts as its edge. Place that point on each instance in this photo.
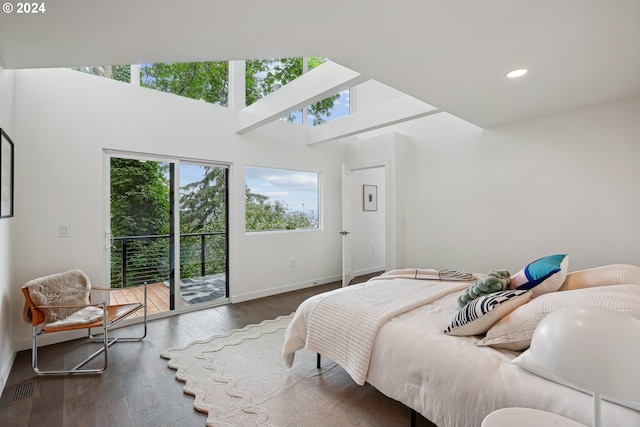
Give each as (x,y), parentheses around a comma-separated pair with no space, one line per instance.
(295,189)
(284,179)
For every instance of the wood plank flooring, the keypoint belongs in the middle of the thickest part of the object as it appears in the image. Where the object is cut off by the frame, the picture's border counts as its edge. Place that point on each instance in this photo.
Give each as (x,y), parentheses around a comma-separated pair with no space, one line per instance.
(137,389)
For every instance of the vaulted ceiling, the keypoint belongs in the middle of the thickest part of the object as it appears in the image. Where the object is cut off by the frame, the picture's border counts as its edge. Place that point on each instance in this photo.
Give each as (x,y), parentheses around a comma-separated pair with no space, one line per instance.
(450,54)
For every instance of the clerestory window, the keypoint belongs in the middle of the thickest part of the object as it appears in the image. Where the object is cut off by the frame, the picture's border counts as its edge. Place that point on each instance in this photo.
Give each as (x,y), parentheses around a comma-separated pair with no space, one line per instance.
(209,82)
(203,81)
(120,73)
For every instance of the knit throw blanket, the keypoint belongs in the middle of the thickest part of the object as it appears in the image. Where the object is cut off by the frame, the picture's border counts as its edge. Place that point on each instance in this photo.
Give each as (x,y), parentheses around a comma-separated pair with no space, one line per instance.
(343,326)
(70,289)
(443,275)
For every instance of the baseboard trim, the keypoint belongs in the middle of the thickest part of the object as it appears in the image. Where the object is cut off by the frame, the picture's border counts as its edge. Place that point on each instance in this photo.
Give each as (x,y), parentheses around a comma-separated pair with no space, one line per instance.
(6,370)
(369,271)
(48,339)
(283,289)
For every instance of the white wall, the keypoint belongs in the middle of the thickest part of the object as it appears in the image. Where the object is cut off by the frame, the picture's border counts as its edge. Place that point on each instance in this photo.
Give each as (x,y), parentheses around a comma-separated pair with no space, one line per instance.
(8,290)
(64,120)
(501,197)
(368,226)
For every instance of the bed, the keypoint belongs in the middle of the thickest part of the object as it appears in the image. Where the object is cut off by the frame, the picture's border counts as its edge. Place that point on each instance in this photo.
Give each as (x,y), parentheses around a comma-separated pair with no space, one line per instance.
(455,379)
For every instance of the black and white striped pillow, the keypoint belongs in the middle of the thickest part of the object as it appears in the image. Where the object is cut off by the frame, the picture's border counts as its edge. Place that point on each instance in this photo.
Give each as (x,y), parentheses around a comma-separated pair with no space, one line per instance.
(479,315)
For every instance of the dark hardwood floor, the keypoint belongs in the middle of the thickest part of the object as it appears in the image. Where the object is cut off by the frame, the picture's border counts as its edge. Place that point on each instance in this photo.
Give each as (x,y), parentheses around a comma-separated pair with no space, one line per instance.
(137,389)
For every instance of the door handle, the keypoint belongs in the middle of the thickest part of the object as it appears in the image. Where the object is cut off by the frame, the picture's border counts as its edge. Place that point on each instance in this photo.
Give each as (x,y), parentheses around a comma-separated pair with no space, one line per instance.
(344,233)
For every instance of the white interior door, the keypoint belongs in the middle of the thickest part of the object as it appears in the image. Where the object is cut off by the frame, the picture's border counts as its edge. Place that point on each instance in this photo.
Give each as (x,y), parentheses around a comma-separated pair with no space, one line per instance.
(347,218)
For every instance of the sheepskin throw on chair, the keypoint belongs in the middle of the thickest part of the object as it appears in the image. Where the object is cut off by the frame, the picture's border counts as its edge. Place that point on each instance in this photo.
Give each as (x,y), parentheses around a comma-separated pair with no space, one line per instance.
(70,288)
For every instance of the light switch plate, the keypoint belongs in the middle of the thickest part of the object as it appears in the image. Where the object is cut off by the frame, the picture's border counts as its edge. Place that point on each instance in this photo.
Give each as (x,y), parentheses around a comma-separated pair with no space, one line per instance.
(63,231)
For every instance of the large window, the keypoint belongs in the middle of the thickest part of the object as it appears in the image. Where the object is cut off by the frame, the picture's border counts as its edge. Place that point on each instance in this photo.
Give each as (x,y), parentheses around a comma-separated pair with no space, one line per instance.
(209,82)
(280,199)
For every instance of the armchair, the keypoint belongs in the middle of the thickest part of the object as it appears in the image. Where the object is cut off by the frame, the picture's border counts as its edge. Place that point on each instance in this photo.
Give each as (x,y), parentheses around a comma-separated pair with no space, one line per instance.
(62,302)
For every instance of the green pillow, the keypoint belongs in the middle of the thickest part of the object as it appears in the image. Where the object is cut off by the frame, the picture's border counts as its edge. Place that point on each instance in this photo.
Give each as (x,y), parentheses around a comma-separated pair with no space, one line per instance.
(494,281)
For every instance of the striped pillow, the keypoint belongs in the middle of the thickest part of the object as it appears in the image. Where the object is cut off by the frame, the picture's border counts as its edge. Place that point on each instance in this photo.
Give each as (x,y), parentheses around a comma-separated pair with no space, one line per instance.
(479,315)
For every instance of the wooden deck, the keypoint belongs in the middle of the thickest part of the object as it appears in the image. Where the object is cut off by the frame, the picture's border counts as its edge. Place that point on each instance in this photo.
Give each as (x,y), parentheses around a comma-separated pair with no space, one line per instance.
(157,297)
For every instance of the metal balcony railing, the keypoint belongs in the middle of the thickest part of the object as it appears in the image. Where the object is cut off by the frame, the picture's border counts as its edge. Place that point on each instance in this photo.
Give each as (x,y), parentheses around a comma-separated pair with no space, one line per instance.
(139,259)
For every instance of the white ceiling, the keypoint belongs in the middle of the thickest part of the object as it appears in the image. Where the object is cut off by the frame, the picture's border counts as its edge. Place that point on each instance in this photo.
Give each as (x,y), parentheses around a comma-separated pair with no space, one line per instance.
(451,54)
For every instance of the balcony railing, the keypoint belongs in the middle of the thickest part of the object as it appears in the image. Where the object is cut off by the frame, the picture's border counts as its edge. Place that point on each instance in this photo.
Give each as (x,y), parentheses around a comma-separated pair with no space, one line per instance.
(139,259)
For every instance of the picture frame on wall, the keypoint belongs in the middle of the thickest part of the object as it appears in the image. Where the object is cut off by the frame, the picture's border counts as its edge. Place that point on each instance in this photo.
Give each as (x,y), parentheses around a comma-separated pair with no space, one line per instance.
(369,197)
(6,175)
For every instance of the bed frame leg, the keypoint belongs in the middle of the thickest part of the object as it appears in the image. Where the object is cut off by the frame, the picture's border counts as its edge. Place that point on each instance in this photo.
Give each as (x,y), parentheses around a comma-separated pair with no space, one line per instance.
(413,412)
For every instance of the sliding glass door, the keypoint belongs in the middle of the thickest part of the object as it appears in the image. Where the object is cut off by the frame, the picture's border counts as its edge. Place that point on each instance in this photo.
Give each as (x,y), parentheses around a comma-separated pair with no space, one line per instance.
(182,257)
(203,233)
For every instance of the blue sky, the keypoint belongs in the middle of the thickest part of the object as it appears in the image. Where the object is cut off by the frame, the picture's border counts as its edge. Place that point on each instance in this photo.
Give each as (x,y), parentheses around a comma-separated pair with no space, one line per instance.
(340,109)
(190,173)
(298,190)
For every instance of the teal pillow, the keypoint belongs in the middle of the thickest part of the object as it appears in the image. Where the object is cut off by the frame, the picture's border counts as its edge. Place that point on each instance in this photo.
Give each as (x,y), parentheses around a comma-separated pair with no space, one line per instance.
(542,275)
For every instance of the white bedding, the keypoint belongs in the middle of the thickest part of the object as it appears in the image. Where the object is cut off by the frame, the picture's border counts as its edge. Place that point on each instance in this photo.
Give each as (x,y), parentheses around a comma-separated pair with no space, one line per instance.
(450,380)
(332,331)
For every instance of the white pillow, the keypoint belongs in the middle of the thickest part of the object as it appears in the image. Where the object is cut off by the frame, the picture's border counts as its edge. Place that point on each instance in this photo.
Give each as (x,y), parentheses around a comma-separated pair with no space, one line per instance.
(614,274)
(528,363)
(514,331)
(479,315)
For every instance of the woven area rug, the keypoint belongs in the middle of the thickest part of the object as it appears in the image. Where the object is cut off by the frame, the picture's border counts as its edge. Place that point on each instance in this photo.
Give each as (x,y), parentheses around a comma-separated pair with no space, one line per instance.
(240,379)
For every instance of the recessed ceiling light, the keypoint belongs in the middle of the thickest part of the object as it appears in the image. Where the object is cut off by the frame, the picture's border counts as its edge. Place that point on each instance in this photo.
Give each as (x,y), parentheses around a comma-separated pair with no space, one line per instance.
(518,72)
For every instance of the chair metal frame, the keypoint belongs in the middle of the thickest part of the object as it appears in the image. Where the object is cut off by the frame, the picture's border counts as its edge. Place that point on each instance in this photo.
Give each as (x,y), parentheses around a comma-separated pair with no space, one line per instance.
(111,316)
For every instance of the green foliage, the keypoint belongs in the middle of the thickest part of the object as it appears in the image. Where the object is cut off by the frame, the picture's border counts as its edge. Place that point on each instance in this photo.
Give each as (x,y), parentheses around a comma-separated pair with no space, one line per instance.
(209,81)
(206,81)
(139,207)
(121,73)
(264,76)
(139,198)
(214,251)
(321,111)
(203,209)
(203,204)
(261,215)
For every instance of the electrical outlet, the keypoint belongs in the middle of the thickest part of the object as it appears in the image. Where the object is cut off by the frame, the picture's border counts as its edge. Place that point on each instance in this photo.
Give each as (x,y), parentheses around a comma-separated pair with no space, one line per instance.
(293,262)
(375,249)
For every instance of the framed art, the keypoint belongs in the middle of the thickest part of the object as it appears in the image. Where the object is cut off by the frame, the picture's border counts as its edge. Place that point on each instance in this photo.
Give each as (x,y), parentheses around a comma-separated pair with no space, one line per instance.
(6,175)
(369,197)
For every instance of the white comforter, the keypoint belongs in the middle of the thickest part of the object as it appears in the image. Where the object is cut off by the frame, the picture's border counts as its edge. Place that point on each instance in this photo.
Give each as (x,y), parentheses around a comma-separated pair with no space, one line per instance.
(450,380)
(332,331)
